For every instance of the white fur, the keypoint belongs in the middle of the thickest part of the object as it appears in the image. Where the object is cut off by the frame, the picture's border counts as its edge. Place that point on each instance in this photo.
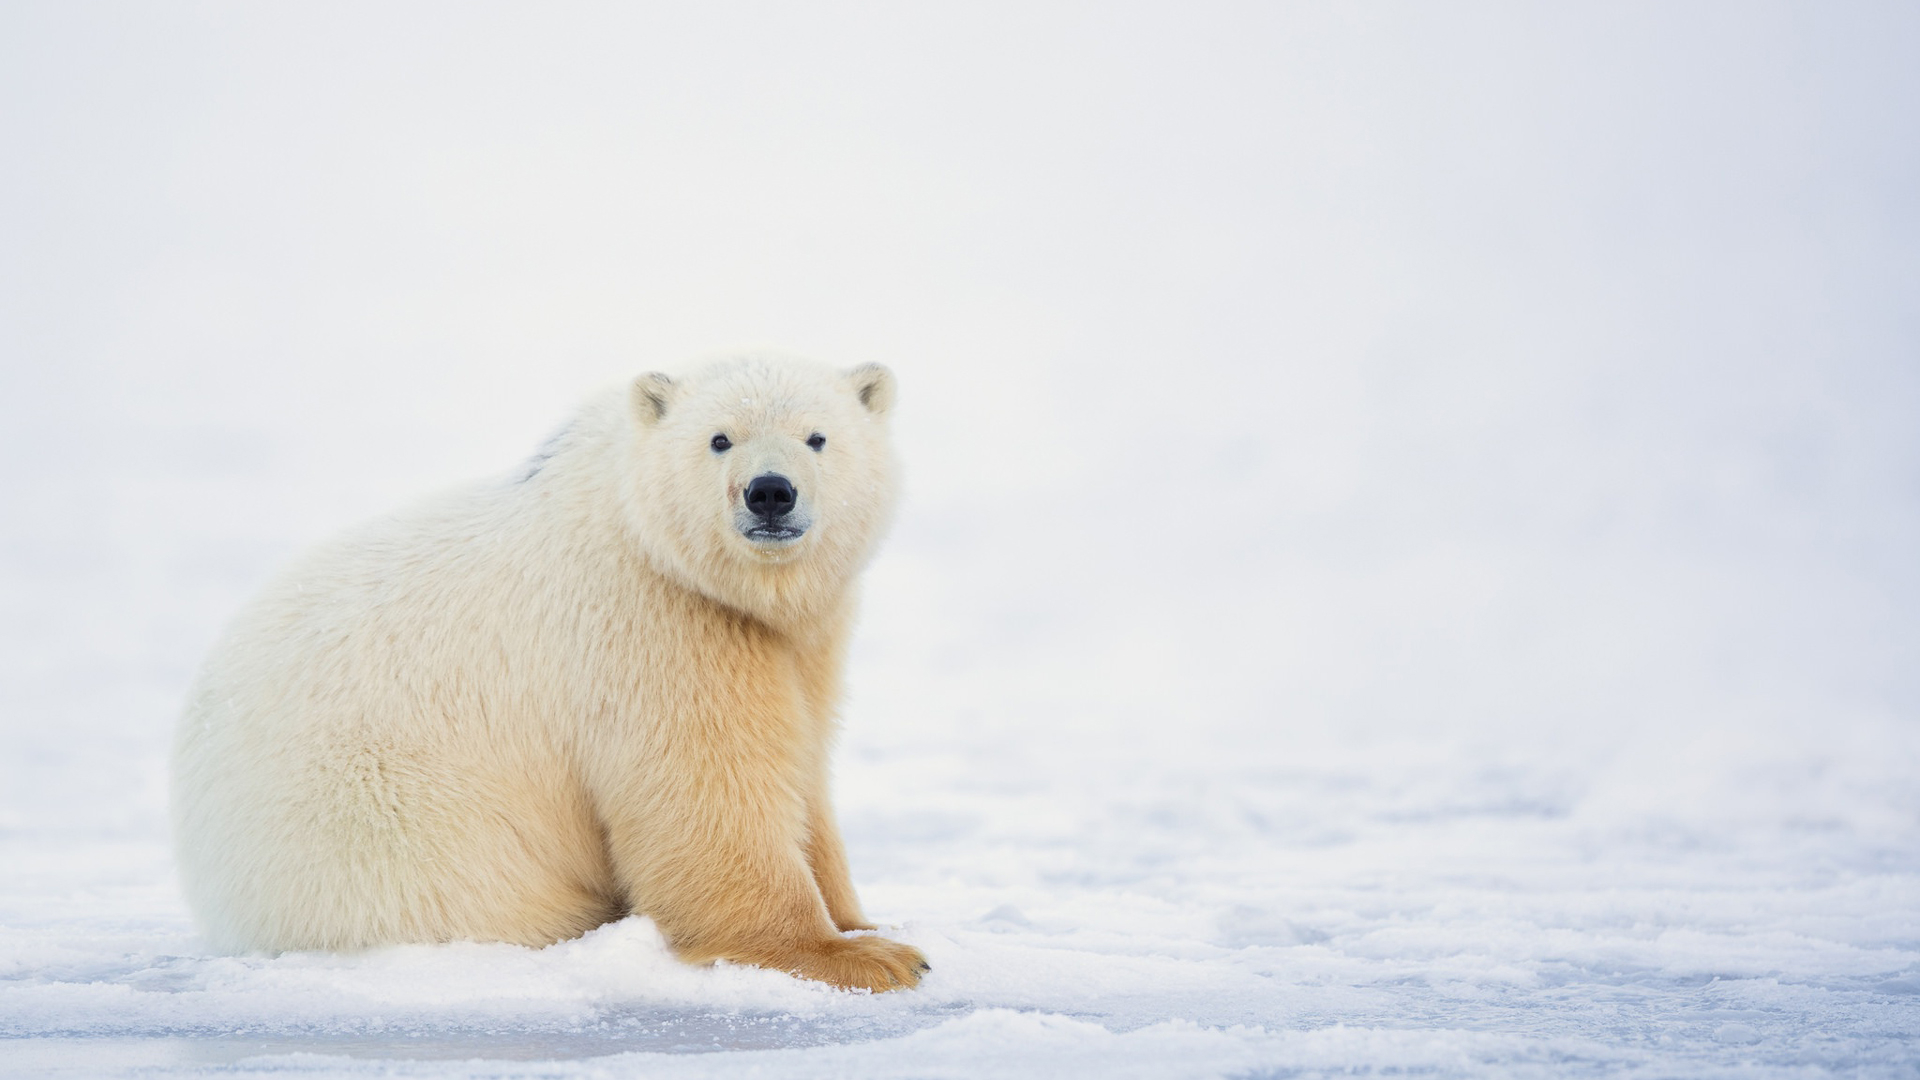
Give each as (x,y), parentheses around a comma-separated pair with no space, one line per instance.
(535,704)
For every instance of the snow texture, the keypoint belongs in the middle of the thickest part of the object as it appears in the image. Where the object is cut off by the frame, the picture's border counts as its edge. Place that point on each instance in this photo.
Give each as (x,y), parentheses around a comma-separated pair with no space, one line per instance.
(1408,563)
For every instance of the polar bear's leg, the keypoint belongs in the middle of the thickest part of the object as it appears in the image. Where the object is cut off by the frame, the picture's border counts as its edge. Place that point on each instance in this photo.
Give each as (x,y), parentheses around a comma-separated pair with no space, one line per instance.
(827,857)
(708,835)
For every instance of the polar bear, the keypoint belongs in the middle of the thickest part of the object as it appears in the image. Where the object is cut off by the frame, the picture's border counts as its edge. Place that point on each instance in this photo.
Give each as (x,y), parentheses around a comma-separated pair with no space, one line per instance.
(602,685)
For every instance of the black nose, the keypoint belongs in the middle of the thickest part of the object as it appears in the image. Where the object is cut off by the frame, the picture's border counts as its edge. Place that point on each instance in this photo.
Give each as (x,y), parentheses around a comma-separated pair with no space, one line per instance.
(770,496)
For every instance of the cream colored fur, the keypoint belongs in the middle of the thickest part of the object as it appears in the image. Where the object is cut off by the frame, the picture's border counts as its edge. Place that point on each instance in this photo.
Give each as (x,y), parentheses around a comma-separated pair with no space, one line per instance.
(537,704)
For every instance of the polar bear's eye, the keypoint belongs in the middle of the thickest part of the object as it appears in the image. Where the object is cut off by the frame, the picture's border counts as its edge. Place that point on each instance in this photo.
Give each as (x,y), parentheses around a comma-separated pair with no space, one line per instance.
(721,443)
(817,441)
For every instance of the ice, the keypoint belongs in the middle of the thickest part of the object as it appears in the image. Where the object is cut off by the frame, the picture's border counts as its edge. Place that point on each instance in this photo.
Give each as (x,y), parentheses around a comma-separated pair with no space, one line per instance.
(1407,565)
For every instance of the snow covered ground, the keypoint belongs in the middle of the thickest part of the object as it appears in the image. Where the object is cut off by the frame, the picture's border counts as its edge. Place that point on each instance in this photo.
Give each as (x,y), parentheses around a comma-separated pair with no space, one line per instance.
(1408,566)
(1254,911)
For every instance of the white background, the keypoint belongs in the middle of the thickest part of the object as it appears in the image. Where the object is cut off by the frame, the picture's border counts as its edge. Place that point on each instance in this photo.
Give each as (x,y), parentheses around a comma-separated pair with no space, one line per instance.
(1409,550)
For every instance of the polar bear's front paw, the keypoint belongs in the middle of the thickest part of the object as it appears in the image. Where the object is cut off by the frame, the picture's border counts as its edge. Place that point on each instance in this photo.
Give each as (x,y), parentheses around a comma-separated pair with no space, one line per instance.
(863,963)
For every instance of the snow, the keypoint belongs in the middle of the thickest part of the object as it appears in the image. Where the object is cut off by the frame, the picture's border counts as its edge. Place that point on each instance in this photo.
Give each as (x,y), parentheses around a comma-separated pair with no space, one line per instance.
(1394,906)
(1407,568)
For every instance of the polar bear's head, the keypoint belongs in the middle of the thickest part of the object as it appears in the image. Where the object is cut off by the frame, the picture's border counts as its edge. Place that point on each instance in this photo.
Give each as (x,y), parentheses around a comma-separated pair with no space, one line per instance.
(763,481)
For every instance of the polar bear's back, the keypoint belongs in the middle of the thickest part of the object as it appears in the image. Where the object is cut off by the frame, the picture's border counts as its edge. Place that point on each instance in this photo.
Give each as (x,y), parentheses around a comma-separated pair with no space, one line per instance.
(330,794)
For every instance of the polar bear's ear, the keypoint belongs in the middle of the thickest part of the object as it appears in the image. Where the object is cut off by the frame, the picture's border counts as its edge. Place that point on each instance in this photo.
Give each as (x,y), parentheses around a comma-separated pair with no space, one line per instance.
(873,385)
(652,393)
